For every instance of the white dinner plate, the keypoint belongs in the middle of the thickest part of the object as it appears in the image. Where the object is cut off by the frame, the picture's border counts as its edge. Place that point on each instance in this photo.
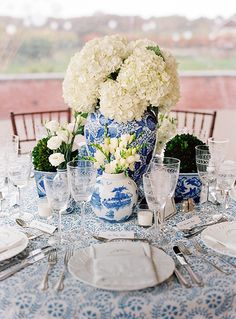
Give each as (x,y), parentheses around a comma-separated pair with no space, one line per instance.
(232,193)
(81,267)
(11,235)
(224,233)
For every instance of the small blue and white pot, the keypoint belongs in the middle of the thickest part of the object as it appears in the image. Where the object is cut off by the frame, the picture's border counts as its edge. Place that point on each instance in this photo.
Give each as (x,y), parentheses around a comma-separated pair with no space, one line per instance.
(115,197)
(145,130)
(38,176)
(188,186)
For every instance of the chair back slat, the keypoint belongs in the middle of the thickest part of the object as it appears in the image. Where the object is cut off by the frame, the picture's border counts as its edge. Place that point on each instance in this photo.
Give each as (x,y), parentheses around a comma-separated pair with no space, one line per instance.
(25,124)
(199,123)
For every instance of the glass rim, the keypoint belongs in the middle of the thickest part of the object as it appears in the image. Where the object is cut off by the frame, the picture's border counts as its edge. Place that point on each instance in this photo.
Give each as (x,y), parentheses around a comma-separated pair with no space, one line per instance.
(175,160)
(198,147)
(71,164)
(218,141)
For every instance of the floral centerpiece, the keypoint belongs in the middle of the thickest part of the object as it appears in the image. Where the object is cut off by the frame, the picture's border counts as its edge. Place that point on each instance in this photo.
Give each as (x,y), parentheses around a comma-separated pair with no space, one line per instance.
(115,193)
(57,148)
(122,85)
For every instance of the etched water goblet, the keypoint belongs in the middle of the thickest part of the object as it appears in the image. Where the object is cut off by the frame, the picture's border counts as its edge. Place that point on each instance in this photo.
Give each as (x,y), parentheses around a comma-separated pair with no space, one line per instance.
(82,178)
(206,170)
(57,192)
(226,179)
(19,169)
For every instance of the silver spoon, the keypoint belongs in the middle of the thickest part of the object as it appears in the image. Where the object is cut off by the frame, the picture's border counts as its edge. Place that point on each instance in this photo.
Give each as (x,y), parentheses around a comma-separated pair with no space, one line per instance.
(24,224)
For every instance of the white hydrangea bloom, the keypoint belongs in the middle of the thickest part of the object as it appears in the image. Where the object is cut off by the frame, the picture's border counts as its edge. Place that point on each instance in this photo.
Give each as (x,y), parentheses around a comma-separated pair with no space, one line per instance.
(144,78)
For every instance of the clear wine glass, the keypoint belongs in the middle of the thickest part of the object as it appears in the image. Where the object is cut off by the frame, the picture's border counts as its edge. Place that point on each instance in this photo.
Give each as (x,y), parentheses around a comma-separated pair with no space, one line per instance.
(19,169)
(159,185)
(226,179)
(218,150)
(57,192)
(206,168)
(82,178)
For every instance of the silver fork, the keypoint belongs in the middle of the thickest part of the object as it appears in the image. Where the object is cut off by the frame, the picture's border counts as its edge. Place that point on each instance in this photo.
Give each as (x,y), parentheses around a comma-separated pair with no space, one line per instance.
(68,254)
(52,260)
(201,250)
(186,251)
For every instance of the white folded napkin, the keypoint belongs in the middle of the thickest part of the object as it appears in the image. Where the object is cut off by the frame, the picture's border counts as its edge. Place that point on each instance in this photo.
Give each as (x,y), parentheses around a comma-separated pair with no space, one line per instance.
(230,245)
(123,264)
(9,240)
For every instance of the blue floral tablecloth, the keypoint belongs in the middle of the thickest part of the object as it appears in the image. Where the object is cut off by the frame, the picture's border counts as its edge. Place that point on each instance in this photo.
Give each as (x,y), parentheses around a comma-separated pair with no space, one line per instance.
(20,296)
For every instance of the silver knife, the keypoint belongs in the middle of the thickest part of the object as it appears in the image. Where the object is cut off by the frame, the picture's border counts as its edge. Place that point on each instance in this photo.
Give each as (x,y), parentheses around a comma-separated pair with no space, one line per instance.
(31,254)
(180,257)
(24,263)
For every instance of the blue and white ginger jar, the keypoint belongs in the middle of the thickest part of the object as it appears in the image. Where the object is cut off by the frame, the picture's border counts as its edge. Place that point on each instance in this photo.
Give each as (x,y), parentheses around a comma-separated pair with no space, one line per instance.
(145,130)
(188,186)
(114,197)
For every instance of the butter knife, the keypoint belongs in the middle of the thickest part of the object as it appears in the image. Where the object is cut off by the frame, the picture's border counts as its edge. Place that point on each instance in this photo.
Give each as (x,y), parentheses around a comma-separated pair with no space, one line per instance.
(181,259)
(105,239)
(23,263)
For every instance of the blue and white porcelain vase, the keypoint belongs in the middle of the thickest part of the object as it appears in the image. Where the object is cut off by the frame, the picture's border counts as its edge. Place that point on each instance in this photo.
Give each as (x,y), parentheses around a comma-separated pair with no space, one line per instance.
(145,130)
(114,197)
(188,186)
(38,176)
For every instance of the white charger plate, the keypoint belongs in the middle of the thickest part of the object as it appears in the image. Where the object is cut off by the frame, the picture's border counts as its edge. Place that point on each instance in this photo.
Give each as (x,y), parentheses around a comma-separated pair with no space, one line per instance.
(81,267)
(232,193)
(224,232)
(9,232)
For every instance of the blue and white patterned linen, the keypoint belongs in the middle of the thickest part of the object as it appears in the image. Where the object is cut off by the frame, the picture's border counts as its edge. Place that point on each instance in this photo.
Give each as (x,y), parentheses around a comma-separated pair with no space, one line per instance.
(20,297)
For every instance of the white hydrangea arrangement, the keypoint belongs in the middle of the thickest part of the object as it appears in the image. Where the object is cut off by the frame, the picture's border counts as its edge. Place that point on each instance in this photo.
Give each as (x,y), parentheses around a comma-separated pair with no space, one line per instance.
(167,127)
(123,79)
(64,140)
(116,155)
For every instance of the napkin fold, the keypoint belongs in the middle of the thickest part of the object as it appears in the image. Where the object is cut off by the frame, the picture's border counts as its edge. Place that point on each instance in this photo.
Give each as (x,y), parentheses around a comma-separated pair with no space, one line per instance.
(9,240)
(123,264)
(230,245)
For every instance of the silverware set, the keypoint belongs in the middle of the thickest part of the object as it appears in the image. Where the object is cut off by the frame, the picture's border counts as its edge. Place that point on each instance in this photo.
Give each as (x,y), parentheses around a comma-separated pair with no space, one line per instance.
(52,260)
(199,228)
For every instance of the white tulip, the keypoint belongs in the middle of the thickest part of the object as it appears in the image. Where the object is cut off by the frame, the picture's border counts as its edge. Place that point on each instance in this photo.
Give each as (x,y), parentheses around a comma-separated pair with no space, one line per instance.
(114,142)
(65,136)
(111,167)
(52,126)
(99,157)
(72,127)
(130,159)
(79,141)
(56,159)
(54,143)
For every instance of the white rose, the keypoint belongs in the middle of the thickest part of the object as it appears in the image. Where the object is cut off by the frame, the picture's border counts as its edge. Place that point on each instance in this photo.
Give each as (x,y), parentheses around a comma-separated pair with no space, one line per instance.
(56,159)
(72,127)
(79,141)
(99,157)
(52,126)
(65,136)
(54,143)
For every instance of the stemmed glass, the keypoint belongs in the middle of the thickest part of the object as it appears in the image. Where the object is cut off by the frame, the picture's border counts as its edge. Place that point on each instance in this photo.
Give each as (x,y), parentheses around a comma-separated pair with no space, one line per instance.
(57,192)
(226,179)
(19,169)
(206,168)
(159,185)
(82,178)
(218,149)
